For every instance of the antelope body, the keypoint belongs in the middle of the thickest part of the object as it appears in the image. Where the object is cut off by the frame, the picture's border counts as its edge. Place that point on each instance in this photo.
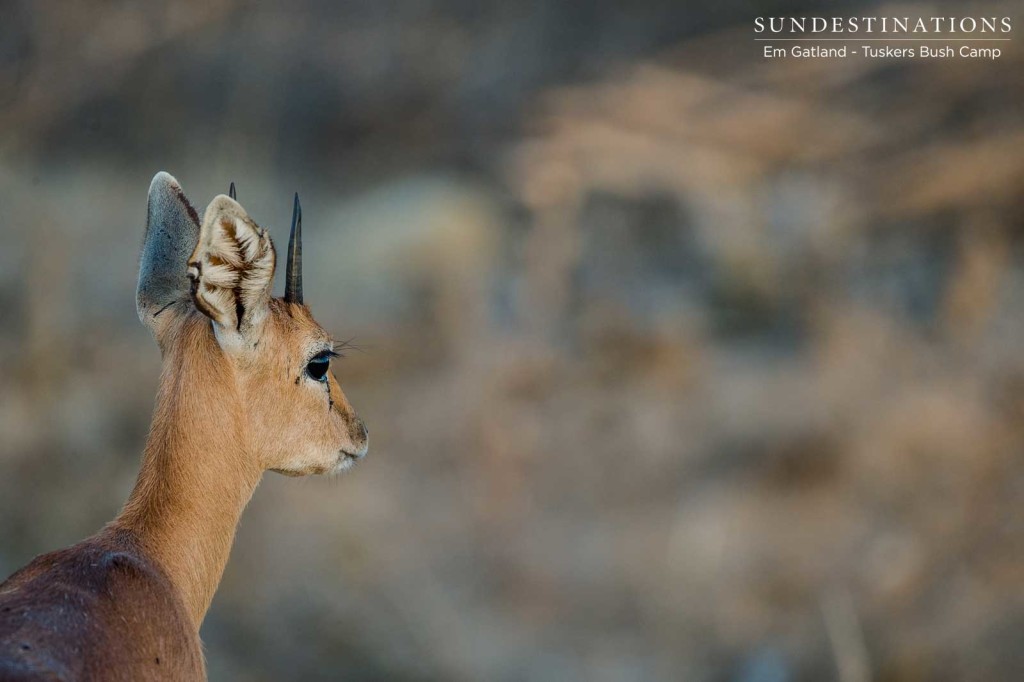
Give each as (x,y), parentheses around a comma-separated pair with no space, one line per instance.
(245,387)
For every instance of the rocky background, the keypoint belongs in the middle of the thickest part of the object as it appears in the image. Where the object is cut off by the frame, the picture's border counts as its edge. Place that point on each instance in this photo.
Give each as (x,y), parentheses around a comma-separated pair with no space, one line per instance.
(680,364)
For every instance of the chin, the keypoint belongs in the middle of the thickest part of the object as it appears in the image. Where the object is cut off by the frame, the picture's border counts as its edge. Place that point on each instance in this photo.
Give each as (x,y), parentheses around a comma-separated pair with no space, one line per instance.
(345,463)
(342,462)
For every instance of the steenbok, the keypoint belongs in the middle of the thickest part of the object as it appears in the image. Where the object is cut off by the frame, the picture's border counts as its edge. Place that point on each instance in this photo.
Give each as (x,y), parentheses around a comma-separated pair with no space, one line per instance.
(246,386)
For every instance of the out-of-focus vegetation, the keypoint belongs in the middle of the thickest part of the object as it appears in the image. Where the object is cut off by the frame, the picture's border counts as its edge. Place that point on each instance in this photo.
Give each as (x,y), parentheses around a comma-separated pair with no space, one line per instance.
(678,363)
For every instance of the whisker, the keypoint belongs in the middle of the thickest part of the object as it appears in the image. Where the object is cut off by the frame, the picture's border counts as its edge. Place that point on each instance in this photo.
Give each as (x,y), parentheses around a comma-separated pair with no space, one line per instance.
(340,347)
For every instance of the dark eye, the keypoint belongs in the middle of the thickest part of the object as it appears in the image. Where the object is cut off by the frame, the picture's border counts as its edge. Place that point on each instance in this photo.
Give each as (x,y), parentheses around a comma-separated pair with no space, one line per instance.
(318,366)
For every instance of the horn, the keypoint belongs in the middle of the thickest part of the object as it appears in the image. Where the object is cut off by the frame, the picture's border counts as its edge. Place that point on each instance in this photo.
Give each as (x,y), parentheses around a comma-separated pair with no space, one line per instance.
(231,192)
(293,273)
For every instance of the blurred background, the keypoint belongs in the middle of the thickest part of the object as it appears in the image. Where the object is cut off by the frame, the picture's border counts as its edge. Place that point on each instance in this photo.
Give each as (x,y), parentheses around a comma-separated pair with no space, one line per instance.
(680,364)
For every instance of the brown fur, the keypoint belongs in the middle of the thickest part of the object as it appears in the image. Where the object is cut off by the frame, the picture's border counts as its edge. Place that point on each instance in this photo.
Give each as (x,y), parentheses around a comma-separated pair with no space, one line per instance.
(127,603)
(100,610)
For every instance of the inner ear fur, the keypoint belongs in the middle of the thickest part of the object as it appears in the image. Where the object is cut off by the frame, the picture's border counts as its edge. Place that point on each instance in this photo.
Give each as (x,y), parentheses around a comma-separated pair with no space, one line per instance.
(232,268)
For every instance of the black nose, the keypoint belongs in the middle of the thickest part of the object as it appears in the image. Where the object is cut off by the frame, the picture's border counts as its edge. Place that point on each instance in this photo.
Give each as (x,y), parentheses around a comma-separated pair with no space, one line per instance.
(357,430)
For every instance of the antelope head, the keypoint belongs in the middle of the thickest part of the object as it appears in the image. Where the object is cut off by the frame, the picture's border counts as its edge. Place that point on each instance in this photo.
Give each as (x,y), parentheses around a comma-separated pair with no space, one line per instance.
(276,358)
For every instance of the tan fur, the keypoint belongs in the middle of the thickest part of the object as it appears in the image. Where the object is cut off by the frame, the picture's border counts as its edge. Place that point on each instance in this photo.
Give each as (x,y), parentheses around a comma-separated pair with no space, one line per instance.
(234,401)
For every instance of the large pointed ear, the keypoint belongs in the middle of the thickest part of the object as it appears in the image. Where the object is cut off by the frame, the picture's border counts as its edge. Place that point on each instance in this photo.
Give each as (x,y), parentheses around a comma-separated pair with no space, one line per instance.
(232,269)
(172,230)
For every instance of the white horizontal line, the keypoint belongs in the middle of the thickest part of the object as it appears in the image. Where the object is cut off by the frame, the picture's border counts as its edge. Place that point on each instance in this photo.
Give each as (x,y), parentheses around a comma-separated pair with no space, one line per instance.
(886,40)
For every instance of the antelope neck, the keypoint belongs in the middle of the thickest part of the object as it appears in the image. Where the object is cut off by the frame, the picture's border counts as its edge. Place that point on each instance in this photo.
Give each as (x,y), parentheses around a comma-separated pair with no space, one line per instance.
(197,470)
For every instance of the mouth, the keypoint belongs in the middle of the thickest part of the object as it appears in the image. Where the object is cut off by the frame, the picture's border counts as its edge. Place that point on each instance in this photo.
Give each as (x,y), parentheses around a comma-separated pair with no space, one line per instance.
(347,460)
